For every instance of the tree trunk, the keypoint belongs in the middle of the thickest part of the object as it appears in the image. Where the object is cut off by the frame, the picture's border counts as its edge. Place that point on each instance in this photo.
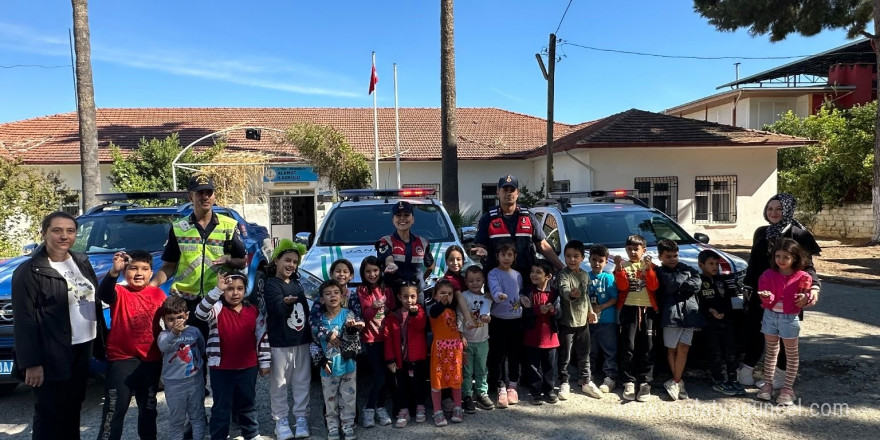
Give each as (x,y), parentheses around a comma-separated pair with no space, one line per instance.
(875,187)
(449,152)
(85,99)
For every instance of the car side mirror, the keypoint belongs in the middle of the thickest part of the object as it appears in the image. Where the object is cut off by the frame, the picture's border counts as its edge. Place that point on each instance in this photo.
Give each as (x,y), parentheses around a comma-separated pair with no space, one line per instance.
(28,248)
(304,238)
(701,237)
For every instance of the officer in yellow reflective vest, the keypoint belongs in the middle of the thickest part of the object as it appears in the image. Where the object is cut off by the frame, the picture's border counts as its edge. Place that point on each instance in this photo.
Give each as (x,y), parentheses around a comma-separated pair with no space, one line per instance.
(197,247)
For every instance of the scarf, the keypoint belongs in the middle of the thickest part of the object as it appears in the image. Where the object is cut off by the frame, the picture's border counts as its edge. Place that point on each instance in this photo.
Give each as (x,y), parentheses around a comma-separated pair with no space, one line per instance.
(788,202)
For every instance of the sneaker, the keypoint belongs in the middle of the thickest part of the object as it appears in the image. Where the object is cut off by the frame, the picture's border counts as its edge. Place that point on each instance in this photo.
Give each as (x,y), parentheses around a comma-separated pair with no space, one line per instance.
(672,388)
(468,405)
(552,397)
(282,430)
(607,385)
(682,393)
(485,403)
(723,388)
(447,404)
(786,397)
(382,416)
(502,398)
(564,391)
(369,418)
(644,393)
(590,389)
(740,391)
(402,419)
(629,391)
(745,376)
(302,428)
(348,432)
(512,396)
(766,392)
(439,419)
(421,414)
(457,415)
(537,400)
(333,433)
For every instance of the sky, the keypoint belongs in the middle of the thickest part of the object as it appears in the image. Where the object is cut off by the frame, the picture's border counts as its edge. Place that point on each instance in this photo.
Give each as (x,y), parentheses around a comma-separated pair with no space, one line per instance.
(283,53)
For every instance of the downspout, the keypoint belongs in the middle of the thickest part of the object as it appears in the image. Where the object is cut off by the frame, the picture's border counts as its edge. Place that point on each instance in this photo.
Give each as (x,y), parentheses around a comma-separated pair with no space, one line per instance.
(735,101)
(592,170)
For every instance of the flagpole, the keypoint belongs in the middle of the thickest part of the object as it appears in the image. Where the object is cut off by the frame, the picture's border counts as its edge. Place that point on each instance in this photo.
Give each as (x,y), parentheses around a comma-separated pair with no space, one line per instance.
(396,127)
(376,128)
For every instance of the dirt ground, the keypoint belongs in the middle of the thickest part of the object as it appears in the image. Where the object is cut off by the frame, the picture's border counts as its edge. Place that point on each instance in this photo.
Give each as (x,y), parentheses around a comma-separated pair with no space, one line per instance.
(845,261)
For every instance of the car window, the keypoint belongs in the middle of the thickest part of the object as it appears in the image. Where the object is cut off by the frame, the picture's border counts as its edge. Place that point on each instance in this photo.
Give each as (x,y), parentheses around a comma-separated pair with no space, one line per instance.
(551,230)
(111,233)
(612,228)
(361,225)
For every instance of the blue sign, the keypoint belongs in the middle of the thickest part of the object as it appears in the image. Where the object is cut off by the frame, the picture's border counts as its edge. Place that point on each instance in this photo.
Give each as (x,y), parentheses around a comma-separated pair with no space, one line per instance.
(281,174)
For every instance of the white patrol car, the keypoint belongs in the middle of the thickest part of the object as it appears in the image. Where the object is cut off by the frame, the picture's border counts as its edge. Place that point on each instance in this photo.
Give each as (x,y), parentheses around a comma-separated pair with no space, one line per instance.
(363,216)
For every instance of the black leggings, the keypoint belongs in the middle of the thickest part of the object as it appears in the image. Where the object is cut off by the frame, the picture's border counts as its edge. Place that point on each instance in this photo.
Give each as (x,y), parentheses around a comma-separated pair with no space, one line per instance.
(505,350)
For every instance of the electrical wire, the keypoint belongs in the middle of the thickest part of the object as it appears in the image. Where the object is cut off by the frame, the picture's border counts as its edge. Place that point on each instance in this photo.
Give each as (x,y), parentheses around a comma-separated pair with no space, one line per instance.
(13,66)
(690,57)
(563,16)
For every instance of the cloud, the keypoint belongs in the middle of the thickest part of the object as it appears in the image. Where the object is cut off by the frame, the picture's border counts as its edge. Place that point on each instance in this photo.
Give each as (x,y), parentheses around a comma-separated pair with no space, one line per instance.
(506,95)
(261,72)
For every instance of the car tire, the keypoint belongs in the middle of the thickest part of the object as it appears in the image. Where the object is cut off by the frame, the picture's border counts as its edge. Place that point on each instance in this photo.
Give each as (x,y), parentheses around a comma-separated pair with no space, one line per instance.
(256,298)
(7,388)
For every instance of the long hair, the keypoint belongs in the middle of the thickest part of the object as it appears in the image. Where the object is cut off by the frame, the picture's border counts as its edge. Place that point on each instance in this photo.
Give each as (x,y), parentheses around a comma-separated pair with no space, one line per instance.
(371,260)
(799,257)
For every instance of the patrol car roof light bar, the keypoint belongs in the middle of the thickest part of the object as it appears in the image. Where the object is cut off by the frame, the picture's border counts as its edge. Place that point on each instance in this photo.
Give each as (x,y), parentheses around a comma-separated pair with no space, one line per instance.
(357,194)
(159,195)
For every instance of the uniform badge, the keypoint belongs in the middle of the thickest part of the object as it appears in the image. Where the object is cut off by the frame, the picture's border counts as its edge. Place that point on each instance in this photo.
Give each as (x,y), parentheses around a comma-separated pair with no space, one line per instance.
(509,177)
(496,224)
(184,225)
(419,250)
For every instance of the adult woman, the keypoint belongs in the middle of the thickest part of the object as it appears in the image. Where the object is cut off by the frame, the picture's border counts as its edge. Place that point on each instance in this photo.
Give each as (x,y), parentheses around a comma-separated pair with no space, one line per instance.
(779,213)
(56,321)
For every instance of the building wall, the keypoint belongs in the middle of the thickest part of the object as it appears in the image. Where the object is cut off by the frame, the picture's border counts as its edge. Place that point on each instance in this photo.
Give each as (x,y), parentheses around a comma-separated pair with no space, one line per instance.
(852,220)
(754,113)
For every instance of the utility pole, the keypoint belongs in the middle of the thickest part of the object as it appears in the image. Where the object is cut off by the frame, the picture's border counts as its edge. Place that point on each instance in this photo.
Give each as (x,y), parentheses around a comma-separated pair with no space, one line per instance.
(549,75)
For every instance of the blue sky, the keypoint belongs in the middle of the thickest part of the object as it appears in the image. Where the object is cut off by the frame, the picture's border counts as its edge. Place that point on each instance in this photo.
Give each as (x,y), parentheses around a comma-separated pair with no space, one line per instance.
(221,53)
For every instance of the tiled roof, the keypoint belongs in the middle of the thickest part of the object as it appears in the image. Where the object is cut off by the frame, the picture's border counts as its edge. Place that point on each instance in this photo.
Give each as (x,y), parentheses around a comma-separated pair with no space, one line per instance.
(638,128)
(483,133)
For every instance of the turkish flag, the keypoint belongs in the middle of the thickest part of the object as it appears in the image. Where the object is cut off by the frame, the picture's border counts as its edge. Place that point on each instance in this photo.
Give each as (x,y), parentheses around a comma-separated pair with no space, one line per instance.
(374,78)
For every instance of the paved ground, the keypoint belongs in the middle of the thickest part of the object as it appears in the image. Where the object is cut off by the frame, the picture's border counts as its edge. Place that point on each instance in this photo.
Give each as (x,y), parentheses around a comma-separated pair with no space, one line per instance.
(840,369)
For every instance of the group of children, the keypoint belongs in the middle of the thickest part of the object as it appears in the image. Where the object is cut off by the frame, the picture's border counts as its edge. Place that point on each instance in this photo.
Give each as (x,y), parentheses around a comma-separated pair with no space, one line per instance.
(470,329)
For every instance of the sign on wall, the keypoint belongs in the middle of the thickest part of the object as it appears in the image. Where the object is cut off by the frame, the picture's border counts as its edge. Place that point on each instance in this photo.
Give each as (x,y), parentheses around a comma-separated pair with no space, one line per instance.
(281,174)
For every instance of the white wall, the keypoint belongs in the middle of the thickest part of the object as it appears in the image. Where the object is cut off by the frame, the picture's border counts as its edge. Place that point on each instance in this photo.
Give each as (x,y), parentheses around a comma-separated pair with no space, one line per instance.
(767,110)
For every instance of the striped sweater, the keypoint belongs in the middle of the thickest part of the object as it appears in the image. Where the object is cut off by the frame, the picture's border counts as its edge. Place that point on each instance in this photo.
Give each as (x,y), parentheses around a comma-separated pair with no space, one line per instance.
(209,309)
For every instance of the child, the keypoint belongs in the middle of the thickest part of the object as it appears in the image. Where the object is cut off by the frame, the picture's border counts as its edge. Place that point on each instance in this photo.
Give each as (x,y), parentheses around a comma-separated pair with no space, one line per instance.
(636,283)
(134,362)
(375,300)
(183,350)
(341,271)
(715,305)
(454,265)
(289,337)
(446,351)
(338,372)
(477,348)
(603,334)
(679,284)
(540,312)
(405,353)
(505,328)
(238,348)
(780,287)
(576,313)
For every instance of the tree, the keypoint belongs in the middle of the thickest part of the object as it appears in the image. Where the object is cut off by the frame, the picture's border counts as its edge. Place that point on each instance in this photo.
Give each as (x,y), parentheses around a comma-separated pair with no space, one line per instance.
(835,170)
(330,155)
(26,196)
(148,168)
(238,183)
(85,105)
(779,19)
(448,129)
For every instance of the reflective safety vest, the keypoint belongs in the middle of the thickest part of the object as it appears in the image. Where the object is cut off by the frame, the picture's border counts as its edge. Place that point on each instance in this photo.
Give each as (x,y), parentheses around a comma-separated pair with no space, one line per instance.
(413,268)
(521,237)
(195,274)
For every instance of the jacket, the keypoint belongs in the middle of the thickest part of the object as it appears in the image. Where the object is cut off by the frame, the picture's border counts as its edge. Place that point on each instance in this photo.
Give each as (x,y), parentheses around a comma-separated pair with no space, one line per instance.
(622,281)
(782,289)
(762,252)
(522,231)
(715,294)
(41,328)
(209,310)
(678,296)
(372,318)
(416,343)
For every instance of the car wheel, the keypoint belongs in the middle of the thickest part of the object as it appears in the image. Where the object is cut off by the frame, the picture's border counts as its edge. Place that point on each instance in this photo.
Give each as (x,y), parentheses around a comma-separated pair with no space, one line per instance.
(256,297)
(7,388)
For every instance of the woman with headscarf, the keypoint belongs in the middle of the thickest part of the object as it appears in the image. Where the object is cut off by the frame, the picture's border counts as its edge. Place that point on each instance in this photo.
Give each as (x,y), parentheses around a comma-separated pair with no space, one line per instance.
(779,213)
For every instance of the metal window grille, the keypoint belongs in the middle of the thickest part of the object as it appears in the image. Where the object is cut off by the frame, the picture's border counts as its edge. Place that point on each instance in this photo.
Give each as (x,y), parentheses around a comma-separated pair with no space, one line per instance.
(72,204)
(489,196)
(660,193)
(434,186)
(561,185)
(715,199)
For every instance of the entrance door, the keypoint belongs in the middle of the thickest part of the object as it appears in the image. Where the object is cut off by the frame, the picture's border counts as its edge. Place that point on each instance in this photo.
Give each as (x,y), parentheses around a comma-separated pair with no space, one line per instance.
(303,209)
(291,214)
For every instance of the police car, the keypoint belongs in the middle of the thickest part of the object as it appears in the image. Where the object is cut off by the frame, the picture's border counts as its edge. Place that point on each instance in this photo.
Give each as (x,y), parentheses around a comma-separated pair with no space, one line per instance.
(609,217)
(363,216)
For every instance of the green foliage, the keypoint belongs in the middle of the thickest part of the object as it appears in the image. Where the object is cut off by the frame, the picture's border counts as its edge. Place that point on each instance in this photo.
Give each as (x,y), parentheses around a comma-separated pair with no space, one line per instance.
(528,198)
(26,196)
(839,167)
(461,219)
(330,155)
(148,168)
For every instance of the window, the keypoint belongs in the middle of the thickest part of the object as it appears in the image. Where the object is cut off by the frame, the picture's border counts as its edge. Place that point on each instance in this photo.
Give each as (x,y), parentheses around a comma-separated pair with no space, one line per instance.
(434,186)
(715,199)
(660,193)
(551,230)
(561,185)
(490,199)
(70,204)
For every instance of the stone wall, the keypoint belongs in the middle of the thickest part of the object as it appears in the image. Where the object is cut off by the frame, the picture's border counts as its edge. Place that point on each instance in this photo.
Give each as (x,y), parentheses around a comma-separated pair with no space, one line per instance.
(852,220)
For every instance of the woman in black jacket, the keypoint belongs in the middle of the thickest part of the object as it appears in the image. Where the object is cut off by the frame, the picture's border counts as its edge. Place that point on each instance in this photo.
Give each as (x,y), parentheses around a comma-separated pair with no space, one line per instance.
(779,213)
(56,321)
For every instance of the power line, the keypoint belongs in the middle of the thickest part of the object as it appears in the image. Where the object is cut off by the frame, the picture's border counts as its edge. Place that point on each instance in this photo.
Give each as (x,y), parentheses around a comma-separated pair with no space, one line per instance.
(563,16)
(13,66)
(690,57)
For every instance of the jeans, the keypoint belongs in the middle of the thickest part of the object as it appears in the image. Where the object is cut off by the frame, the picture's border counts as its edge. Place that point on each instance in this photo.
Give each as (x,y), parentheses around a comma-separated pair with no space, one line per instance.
(636,343)
(541,374)
(574,340)
(234,392)
(126,379)
(603,345)
(375,352)
(720,342)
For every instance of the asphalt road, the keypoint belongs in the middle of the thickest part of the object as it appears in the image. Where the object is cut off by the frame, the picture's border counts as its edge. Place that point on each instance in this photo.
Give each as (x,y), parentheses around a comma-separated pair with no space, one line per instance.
(837,387)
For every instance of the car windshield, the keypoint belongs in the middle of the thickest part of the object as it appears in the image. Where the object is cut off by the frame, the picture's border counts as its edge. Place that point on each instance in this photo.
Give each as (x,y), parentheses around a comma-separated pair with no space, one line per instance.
(111,233)
(612,228)
(361,225)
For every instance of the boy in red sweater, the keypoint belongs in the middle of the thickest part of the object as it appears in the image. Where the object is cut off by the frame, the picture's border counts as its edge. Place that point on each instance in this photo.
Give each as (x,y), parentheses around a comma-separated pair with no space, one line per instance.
(541,336)
(134,362)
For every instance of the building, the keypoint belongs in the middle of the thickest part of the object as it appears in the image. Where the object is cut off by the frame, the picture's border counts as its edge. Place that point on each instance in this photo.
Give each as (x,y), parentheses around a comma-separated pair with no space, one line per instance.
(712,178)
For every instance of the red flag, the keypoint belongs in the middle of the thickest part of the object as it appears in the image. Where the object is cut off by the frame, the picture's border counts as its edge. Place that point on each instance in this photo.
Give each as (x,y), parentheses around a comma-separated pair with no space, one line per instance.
(374,78)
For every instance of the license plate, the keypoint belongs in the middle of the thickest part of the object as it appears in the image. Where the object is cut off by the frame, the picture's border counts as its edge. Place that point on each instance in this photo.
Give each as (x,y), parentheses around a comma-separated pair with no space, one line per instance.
(5,368)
